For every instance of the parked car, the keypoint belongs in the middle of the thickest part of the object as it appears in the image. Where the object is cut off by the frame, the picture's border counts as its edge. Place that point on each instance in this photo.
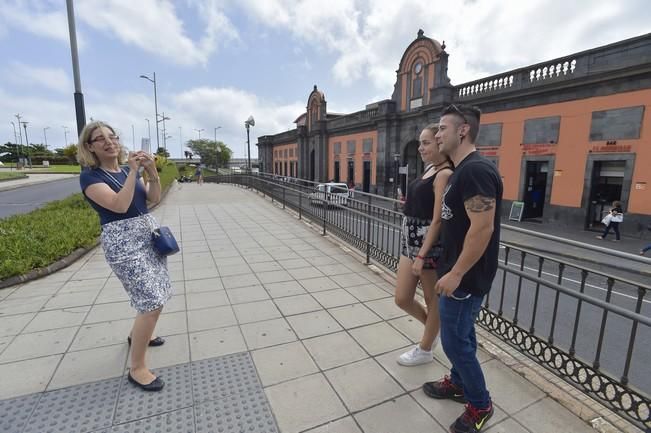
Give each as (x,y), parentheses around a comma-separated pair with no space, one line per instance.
(334,194)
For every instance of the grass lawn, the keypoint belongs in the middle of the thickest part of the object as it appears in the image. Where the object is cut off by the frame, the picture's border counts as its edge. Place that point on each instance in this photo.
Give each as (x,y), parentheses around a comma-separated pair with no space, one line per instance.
(75,169)
(4,175)
(39,238)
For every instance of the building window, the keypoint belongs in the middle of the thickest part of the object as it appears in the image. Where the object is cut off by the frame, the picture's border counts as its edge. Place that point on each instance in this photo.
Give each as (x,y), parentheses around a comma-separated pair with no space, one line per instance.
(337,148)
(291,152)
(489,135)
(367,145)
(544,130)
(351,146)
(286,153)
(617,124)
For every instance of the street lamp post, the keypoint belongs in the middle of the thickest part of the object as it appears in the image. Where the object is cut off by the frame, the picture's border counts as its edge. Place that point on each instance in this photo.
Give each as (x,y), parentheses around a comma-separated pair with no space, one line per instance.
(65,135)
(15,135)
(45,135)
(148,132)
(27,143)
(155,106)
(163,118)
(247,124)
(396,161)
(79,97)
(20,135)
(199,132)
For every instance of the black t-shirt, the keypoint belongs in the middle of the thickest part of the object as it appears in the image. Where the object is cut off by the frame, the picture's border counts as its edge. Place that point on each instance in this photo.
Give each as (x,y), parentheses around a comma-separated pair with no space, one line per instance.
(475,175)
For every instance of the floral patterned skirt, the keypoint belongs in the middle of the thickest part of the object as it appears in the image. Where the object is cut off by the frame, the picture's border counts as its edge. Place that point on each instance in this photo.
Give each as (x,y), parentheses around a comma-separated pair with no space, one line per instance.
(414,231)
(141,270)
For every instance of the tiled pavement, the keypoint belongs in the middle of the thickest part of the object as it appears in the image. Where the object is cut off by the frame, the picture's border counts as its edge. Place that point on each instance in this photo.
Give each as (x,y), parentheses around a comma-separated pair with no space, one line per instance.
(272,328)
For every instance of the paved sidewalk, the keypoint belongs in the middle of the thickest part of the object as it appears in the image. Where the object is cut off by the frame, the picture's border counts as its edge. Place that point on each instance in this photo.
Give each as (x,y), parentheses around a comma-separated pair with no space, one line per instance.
(273,328)
(33,179)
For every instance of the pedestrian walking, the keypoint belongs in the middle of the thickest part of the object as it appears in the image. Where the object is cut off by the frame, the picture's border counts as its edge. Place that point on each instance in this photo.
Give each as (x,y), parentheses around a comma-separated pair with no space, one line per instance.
(198,174)
(120,196)
(470,231)
(419,248)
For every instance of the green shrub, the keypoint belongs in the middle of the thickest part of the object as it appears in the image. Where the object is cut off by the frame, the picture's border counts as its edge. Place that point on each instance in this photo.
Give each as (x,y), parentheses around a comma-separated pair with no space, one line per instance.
(43,236)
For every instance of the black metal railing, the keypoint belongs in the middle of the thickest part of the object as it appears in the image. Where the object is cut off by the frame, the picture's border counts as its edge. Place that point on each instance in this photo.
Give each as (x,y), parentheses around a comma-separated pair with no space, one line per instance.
(590,328)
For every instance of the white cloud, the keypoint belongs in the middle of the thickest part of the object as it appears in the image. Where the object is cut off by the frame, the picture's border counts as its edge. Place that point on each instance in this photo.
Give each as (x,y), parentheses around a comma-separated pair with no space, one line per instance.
(39,17)
(483,37)
(154,26)
(55,79)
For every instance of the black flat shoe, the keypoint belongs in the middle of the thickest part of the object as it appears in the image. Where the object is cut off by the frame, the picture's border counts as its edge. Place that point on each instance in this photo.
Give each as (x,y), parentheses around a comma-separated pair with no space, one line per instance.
(155,385)
(158,341)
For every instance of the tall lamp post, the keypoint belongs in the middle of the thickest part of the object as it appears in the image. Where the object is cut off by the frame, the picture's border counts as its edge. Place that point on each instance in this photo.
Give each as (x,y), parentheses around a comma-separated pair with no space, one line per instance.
(163,118)
(247,124)
(45,135)
(27,143)
(65,135)
(79,97)
(149,133)
(199,132)
(155,105)
(217,149)
(20,135)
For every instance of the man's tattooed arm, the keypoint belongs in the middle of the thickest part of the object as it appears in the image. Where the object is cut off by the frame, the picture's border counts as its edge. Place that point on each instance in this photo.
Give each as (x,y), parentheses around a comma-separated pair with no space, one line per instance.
(479,203)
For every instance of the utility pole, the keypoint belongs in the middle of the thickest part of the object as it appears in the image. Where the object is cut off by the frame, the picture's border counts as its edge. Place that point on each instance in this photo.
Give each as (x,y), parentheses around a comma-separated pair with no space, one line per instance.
(20,135)
(45,135)
(65,136)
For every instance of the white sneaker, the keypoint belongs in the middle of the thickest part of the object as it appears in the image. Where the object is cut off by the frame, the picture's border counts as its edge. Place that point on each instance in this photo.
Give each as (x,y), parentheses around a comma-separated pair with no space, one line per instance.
(415,356)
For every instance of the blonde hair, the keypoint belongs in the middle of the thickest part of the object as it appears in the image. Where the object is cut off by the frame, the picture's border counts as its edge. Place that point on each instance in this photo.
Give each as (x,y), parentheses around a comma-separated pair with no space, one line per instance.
(85,157)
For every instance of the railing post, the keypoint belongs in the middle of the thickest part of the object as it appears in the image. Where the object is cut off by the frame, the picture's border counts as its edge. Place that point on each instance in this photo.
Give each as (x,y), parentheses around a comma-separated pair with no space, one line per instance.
(284,198)
(368,230)
(300,204)
(631,339)
(324,206)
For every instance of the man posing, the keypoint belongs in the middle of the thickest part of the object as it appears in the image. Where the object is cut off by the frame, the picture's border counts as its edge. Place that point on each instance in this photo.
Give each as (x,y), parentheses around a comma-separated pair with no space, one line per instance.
(470,230)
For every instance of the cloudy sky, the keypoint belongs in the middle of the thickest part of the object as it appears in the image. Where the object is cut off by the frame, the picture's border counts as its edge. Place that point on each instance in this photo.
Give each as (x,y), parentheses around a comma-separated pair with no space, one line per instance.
(219,61)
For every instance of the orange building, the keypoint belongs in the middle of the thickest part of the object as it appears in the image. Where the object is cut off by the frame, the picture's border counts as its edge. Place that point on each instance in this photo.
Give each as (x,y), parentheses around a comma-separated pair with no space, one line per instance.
(569,135)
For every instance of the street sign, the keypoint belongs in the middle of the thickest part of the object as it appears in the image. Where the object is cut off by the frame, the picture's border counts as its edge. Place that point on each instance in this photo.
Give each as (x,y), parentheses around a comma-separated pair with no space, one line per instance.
(403,170)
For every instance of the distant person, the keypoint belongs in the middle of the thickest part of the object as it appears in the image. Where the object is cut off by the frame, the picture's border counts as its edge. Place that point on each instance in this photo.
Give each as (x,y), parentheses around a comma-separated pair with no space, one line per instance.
(470,232)
(419,249)
(614,217)
(198,174)
(648,247)
(120,195)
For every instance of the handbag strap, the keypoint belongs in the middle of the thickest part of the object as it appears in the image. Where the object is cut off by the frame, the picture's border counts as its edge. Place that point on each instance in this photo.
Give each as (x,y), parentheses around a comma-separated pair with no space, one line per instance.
(119,184)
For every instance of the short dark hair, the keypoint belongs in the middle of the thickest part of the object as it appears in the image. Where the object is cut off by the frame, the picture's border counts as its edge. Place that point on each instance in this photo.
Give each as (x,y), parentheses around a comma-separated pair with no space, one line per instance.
(469,114)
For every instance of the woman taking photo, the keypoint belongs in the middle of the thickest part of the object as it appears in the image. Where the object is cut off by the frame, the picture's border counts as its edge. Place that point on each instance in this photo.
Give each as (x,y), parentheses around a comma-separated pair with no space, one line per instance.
(120,196)
(419,250)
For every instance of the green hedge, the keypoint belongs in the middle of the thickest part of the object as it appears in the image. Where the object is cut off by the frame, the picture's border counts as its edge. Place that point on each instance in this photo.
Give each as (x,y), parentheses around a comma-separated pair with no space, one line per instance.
(43,236)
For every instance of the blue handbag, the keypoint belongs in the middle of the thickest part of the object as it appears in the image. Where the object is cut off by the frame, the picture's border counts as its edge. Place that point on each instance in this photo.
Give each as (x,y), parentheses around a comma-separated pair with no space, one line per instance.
(164,242)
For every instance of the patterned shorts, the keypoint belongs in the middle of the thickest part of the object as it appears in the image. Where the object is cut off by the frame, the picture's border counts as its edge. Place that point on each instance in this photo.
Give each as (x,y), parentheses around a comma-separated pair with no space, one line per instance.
(141,270)
(414,231)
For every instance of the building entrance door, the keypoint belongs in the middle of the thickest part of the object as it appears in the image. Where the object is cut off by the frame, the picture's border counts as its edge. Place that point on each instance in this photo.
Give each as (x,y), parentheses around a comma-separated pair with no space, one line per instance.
(607,182)
(366,177)
(535,189)
(336,177)
(351,173)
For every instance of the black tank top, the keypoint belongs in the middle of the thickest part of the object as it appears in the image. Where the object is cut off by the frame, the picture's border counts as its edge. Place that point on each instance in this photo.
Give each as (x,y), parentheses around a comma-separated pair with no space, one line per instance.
(420,198)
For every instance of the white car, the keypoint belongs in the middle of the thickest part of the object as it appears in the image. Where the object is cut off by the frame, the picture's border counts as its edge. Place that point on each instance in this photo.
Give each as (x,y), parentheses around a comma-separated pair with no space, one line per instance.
(331,193)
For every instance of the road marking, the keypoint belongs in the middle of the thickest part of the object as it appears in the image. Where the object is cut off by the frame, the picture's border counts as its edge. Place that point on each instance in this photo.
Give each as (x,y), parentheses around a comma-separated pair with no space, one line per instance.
(579,283)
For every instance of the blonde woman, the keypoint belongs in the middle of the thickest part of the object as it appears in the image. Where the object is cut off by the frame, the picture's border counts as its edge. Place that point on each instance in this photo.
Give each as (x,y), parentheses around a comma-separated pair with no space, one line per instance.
(419,246)
(120,196)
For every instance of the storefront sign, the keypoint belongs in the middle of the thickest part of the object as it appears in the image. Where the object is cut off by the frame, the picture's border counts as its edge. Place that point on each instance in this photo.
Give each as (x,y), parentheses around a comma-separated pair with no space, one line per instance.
(640,186)
(610,148)
(538,149)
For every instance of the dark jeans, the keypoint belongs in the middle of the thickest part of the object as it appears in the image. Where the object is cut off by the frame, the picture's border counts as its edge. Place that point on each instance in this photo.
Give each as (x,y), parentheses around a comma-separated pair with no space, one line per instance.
(647,248)
(460,345)
(615,227)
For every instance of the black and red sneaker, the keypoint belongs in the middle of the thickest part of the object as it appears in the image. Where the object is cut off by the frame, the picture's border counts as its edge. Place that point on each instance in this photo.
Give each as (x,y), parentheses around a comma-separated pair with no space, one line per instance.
(472,420)
(444,388)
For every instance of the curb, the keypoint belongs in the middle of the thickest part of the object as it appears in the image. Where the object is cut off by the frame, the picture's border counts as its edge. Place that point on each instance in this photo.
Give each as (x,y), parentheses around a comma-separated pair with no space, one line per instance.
(9,179)
(63,262)
(578,259)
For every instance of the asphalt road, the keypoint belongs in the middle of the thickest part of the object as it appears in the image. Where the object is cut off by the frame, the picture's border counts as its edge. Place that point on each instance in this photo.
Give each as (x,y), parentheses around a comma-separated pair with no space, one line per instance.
(617,330)
(27,198)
